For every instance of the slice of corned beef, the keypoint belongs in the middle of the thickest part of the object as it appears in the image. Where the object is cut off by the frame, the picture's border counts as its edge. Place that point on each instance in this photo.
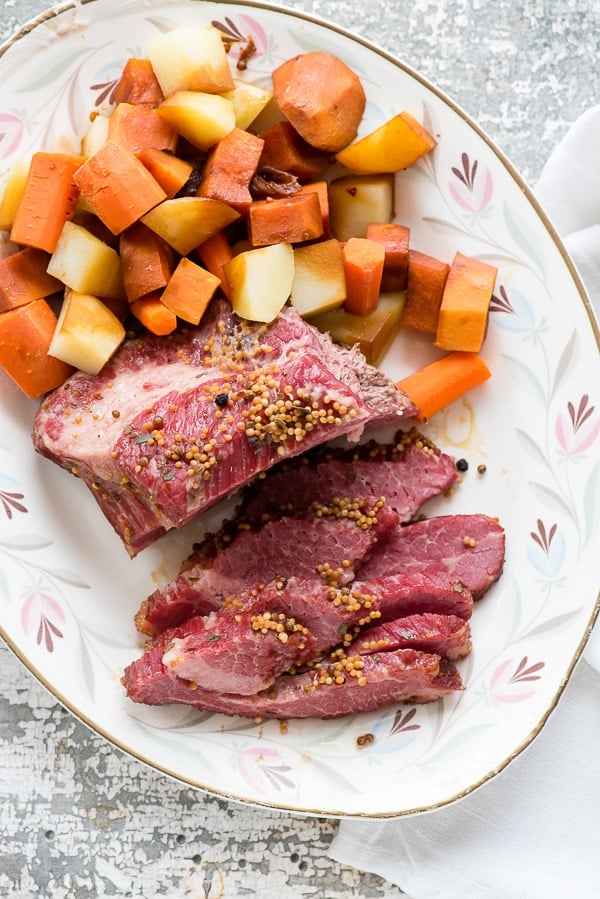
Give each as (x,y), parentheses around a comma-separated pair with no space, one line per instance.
(171,425)
(259,634)
(349,685)
(409,591)
(325,545)
(469,549)
(446,635)
(408,471)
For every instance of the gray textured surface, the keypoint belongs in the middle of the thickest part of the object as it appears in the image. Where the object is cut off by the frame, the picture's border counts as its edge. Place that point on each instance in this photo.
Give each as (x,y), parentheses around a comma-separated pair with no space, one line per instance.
(80,819)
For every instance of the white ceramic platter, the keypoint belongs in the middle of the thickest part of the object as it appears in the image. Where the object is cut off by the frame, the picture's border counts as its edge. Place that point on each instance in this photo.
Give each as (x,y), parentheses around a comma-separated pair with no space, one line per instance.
(68,590)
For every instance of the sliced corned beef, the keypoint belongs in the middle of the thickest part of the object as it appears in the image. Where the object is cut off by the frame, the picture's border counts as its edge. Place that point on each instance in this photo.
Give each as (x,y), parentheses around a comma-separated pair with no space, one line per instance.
(349,685)
(446,635)
(409,591)
(469,549)
(326,545)
(259,634)
(172,425)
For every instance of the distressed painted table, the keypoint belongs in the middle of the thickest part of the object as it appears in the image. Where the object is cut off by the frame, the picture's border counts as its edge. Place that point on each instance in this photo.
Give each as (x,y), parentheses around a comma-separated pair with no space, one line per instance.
(79,818)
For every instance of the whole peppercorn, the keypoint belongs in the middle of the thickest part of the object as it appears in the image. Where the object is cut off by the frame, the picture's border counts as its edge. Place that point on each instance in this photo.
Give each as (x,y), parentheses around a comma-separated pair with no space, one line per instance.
(221,399)
(462,465)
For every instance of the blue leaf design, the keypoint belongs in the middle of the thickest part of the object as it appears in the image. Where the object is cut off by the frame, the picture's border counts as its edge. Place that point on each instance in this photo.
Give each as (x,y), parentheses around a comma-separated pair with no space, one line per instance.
(526,378)
(52,74)
(522,239)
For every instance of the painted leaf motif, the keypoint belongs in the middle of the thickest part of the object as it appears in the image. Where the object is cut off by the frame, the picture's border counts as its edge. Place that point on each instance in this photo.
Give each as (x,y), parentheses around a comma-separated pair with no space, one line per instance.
(521,238)
(442,226)
(548,495)
(567,357)
(526,378)
(67,577)
(444,748)
(53,73)
(591,504)
(86,668)
(24,543)
(552,623)
(533,449)
(332,775)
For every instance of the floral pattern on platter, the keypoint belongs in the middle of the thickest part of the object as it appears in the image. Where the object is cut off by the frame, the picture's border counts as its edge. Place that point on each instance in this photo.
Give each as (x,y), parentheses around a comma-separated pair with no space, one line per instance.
(552,434)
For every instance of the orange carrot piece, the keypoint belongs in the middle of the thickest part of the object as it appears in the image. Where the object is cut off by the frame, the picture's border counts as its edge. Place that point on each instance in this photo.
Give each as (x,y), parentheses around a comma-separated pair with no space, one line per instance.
(170,171)
(395,240)
(463,319)
(23,278)
(153,314)
(363,266)
(426,281)
(292,219)
(285,150)
(138,84)
(25,335)
(321,189)
(189,291)
(229,169)
(117,186)
(147,261)
(48,200)
(138,127)
(439,383)
(214,253)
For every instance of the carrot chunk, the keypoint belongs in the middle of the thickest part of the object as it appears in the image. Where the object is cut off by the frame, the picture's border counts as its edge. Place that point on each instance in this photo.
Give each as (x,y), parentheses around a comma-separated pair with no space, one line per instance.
(229,169)
(138,127)
(48,200)
(138,84)
(439,383)
(292,219)
(214,253)
(426,281)
(363,267)
(189,291)
(153,314)
(285,150)
(395,240)
(462,323)
(170,171)
(147,261)
(25,336)
(23,278)
(321,189)
(117,186)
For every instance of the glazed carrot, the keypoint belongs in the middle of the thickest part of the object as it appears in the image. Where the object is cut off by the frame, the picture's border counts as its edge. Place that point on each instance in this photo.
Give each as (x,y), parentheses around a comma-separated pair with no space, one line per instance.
(285,150)
(23,278)
(137,127)
(25,335)
(395,240)
(147,261)
(229,169)
(285,220)
(426,281)
(189,291)
(153,314)
(138,84)
(117,186)
(363,267)
(462,323)
(214,253)
(322,98)
(170,171)
(48,200)
(321,189)
(438,384)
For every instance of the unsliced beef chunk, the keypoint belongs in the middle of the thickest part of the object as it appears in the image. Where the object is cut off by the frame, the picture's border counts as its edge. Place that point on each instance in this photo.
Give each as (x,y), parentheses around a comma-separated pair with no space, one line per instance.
(446,635)
(319,545)
(172,425)
(469,549)
(348,685)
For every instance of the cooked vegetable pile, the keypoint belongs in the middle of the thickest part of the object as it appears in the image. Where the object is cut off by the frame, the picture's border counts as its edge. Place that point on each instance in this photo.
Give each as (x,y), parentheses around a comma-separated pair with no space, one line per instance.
(198,183)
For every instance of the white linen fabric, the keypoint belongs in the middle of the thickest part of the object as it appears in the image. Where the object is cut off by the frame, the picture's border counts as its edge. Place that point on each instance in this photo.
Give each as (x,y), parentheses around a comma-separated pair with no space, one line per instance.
(534,831)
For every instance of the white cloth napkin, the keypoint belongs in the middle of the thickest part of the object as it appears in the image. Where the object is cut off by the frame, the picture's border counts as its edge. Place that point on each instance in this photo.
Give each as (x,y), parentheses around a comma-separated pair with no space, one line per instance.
(534,831)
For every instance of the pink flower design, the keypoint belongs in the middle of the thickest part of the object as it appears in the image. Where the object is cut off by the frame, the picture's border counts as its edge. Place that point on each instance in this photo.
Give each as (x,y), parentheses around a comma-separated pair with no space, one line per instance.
(11,133)
(577,428)
(265,769)
(39,615)
(473,188)
(513,687)
(245,41)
